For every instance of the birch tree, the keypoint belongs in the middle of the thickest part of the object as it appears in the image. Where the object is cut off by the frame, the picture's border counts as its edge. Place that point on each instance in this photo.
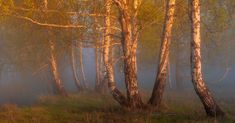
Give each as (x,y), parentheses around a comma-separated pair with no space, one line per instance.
(210,105)
(53,62)
(130,34)
(157,94)
(107,53)
(75,65)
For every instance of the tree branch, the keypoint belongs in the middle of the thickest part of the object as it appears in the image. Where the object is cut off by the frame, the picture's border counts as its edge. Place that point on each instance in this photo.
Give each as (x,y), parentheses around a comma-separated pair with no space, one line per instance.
(65,12)
(48,24)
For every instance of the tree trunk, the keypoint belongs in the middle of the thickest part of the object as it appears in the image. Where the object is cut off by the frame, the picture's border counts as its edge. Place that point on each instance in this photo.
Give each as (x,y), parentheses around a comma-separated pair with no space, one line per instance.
(101,80)
(74,67)
(104,81)
(84,81)
(98,77)
(157,94)
(54,70)
(212,109)
(53,64)
(118,96)
(130,70)
(101,84)
(129,45)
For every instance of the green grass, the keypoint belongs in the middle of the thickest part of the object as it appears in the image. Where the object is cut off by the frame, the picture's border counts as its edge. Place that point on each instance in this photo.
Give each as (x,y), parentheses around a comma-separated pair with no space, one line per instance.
(94,108)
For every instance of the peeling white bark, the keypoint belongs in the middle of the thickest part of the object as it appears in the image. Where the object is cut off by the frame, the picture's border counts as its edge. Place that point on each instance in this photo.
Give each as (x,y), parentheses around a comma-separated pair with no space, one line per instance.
(203,92)
(107,54)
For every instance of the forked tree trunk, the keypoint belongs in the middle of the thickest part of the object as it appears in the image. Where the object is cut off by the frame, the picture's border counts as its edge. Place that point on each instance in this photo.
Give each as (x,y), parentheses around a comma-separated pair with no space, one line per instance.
(158,90)
(118,96)
(129,46)
(53,63)
(74,66)
(212,109)
(55,71)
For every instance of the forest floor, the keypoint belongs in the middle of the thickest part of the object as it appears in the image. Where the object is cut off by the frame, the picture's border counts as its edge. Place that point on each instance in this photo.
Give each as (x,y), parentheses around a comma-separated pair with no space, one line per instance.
(89,107)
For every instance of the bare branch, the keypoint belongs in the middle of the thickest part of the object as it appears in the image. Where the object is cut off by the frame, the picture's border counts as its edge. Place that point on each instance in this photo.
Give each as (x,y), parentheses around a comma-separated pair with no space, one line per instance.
(114,28)
(48,24)
(65,12)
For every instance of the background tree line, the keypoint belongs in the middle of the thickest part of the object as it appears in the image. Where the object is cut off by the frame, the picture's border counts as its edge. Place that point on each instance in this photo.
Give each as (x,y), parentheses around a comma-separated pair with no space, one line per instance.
(118,30)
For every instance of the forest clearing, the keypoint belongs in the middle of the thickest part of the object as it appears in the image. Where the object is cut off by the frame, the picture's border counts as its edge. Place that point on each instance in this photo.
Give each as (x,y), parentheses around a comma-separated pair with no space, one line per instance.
(117,61)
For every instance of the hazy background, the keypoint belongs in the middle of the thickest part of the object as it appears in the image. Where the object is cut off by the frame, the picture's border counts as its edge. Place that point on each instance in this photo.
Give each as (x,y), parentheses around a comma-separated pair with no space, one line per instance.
(25,87)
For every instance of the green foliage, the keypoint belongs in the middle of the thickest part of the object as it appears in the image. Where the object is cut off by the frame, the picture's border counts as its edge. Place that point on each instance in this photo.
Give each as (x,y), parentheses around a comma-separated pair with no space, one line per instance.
(151,13)
(28,43)
(29,4)
(216,18)
(31,41)
(5,6)
(216,15)
(5,9)
(151,17)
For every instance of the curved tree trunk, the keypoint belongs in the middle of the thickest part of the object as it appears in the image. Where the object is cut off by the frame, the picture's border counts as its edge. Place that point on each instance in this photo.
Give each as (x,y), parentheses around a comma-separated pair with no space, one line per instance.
(157,94)
(118,96)
(53,63)
(212,109)
(84,81)
(55,71)
(74,67)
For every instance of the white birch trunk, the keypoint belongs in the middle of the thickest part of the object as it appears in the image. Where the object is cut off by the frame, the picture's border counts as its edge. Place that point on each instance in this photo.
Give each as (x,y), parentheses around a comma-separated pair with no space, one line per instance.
(212,109)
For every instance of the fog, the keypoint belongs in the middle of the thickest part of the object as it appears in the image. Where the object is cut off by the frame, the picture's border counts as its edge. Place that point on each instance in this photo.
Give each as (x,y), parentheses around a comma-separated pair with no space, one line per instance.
(26,87)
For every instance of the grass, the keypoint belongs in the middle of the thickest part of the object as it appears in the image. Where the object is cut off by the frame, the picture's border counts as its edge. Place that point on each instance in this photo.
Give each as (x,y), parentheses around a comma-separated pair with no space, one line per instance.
(94,108)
